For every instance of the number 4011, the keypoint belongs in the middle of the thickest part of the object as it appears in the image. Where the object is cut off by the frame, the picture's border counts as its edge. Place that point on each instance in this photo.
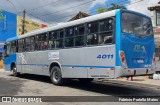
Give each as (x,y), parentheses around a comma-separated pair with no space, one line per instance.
(105,56)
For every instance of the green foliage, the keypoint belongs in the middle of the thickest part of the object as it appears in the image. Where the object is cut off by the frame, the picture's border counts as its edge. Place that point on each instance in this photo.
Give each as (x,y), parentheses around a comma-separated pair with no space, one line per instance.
(2,17)
(101,10)
(113,7)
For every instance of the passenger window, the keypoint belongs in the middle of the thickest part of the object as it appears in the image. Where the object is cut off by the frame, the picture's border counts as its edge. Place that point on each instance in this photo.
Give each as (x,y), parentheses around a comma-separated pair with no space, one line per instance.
(69,32)
(92,39)
(105,31)
(79,41)
(106,25)
(41,43)
(13,47)
(79,35)
(92,27)
(69,42)
(21,45)
(105,38)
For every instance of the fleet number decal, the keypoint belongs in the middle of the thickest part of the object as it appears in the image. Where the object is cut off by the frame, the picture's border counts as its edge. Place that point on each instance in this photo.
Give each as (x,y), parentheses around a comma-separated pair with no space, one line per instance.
(105,56)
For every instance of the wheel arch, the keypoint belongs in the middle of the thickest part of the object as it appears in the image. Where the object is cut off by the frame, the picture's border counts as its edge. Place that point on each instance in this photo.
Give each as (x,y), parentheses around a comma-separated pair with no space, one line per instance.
(52,64)
(13,64)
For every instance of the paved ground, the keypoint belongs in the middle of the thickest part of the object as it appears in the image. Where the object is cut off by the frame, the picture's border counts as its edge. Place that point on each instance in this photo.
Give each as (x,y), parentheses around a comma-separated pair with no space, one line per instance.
(32,85)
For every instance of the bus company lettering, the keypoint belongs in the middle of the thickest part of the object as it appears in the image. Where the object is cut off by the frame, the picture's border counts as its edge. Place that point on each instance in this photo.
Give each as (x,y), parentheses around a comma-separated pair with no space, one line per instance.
(53,55)
(23,58)
(139,48)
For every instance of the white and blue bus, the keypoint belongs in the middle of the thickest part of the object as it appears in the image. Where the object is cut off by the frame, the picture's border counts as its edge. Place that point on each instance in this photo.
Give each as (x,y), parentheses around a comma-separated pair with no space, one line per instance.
(118,43)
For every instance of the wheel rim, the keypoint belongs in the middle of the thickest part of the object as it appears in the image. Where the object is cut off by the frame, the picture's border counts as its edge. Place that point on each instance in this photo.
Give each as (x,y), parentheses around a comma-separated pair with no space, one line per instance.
(14,71)
(56,76)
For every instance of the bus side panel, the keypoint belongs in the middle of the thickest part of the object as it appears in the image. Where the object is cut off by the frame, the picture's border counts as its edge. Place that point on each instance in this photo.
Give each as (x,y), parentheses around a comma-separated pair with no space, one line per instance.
(88,62)
(8,61)
(31,62)
(102,61)
(73,62)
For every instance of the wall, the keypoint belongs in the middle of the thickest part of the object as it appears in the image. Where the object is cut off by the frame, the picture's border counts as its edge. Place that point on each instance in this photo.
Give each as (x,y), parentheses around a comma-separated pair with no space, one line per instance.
(8,25)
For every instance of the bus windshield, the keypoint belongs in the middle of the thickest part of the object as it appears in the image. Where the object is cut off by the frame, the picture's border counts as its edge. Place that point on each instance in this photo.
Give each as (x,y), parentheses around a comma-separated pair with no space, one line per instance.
(136,24)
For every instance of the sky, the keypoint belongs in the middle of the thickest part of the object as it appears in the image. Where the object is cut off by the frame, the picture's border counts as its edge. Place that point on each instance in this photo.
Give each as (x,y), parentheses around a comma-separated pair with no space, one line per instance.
(56,11)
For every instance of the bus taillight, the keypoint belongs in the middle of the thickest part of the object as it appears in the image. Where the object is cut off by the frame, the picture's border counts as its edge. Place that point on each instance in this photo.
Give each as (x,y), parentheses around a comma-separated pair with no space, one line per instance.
(123,59)
(154,57)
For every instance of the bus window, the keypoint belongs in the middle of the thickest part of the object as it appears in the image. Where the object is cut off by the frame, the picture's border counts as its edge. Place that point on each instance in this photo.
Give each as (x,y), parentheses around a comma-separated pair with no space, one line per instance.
(105,31)
(59,43)
(106,25)
(32,43)
(27,43)
(69,42)
(21,45)
(69,37)
(93,27)
(79,41)
(92,39)
(79,35)
(13,46)
(69,32)
(105,38)
(61,33)
(51,38)
(42,43)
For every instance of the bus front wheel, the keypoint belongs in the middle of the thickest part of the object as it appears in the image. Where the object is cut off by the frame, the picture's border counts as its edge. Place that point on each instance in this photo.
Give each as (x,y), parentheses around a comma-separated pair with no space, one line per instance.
(15,73)
(56,76)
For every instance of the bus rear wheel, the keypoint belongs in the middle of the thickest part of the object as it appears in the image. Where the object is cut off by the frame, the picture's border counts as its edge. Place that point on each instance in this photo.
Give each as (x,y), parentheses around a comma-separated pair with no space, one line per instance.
(15,73)
(56,76)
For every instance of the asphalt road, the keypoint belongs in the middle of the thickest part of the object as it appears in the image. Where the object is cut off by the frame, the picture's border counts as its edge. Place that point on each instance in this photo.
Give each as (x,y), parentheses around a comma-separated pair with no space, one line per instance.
(33,85)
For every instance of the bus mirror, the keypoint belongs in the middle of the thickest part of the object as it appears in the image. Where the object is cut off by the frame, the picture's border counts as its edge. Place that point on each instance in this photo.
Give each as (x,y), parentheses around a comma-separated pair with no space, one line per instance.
(5,47)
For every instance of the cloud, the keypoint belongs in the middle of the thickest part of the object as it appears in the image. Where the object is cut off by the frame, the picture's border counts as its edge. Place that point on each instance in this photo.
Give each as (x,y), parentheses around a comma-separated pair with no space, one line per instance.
(101,2)
(49,12)
(142,6)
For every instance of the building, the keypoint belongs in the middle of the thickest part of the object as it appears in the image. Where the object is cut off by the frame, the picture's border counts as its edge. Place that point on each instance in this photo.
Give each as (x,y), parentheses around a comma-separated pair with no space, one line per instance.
(79,15)
(11,25)
(156,24)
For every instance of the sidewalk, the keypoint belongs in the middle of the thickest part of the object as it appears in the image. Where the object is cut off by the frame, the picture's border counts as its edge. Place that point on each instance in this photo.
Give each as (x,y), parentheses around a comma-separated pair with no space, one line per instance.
(1,70)
(141,81)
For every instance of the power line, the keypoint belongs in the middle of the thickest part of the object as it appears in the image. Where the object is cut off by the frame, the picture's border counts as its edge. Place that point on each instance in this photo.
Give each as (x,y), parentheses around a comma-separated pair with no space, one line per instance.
(41,6)
(67,8)
(36,17)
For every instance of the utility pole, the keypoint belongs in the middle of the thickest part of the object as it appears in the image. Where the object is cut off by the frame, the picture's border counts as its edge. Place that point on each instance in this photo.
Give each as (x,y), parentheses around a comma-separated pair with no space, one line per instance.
(23,22)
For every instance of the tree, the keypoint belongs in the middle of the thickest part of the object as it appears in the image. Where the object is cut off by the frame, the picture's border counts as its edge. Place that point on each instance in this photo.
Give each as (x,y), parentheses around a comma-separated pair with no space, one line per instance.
(101,10)
(113,6)
(2,17)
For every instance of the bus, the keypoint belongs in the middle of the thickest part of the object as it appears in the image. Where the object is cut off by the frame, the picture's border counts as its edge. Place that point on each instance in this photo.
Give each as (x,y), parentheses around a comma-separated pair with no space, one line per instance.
(118,43)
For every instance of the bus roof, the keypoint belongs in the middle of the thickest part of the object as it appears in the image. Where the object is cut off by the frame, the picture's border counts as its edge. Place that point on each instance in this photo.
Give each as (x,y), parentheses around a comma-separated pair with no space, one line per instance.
(67,24)
(70,23)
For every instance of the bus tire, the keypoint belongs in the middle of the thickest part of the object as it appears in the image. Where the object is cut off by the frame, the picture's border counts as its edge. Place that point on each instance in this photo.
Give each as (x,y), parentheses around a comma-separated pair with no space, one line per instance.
(86,80)
(56,76)
(15,73)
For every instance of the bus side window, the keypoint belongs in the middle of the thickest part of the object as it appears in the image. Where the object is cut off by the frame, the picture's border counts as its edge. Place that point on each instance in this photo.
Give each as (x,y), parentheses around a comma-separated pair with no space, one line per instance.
(79,35)
(51,38)
(105,31)
(92,37)
(13,47)
(69,37)
(20,45)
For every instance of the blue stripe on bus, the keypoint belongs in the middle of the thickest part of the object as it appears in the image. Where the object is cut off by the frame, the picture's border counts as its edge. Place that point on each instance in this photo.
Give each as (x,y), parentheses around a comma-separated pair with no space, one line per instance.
(34,64)
(71,66)
(118,36)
